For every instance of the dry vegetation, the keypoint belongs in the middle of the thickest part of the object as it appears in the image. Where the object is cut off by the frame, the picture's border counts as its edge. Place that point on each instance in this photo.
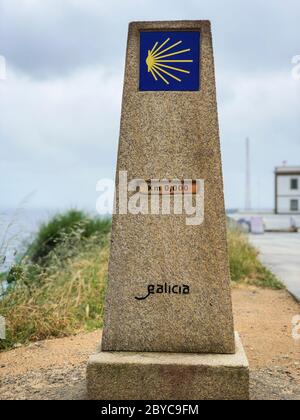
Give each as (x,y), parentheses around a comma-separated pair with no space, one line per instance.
(62,302)
(61,291)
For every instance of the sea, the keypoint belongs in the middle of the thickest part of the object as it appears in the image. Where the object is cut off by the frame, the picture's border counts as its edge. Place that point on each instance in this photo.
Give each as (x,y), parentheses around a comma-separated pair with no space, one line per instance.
(17,228)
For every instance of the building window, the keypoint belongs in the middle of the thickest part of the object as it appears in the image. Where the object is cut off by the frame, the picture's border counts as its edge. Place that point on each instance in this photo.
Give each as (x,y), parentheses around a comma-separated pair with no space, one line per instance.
(294,205)
(294,184)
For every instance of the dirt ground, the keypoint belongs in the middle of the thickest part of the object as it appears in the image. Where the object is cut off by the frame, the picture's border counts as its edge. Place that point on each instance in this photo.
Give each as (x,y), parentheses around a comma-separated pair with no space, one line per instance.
(55,369)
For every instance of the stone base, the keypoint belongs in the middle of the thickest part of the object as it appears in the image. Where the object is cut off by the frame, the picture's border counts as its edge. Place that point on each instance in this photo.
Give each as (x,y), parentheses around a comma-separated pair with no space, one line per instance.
(168,376)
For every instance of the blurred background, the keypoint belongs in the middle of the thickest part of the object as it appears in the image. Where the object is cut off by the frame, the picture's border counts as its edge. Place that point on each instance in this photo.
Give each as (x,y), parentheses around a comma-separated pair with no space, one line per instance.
(60,100)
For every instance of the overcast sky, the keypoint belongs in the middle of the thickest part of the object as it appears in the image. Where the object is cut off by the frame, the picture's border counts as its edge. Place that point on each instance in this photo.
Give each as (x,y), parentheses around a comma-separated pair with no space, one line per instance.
(60,103)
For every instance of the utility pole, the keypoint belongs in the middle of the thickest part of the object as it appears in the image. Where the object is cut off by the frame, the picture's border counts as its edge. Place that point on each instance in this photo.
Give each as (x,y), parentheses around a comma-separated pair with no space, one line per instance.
(248,176)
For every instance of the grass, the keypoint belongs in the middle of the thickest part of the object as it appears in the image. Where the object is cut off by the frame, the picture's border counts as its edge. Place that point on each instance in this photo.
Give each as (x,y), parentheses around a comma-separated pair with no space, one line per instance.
(57,287)
(62,301)
(245,266)
(60,291)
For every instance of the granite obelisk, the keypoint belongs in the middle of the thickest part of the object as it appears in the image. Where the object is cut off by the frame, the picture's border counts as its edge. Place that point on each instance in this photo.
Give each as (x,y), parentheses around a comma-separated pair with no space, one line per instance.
(169,281)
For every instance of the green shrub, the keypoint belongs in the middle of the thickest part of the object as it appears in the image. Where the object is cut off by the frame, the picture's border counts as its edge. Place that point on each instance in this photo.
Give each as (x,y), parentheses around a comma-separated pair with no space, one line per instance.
(73,225)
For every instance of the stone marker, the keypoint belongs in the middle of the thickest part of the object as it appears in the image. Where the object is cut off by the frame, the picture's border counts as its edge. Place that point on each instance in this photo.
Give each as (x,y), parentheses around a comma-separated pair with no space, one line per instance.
(169,282)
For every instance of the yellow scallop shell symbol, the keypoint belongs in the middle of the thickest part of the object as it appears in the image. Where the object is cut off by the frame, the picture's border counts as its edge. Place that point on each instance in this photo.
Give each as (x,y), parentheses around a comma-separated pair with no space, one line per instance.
(158,61)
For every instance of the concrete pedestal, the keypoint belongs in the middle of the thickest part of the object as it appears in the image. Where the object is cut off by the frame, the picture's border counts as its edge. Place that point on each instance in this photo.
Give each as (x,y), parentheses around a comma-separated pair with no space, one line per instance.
(168,376)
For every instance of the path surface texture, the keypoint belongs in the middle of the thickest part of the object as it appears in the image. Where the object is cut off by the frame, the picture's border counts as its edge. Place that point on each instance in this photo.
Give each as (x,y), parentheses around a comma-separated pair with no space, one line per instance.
(281,253)
(56,369)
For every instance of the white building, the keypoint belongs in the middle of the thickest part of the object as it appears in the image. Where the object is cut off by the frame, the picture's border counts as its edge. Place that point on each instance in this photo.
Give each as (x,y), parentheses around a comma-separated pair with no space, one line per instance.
(287,190)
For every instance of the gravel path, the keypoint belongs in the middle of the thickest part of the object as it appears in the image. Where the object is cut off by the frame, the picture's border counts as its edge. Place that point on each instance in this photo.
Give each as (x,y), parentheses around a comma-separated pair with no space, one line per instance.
(55,369)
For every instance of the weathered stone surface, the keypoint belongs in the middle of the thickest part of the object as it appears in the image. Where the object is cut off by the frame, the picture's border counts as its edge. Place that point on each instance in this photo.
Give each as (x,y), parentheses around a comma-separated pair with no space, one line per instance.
(170,135)
(163,376)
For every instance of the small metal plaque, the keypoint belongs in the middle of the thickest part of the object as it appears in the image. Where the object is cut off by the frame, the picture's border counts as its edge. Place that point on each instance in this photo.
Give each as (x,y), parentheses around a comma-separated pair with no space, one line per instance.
(166,187)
